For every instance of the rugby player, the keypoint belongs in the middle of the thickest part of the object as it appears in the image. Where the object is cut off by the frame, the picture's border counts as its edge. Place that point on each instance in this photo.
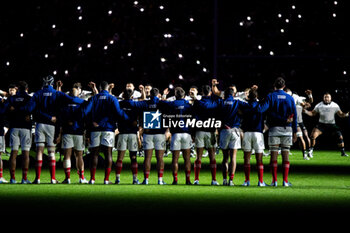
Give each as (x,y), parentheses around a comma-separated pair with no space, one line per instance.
(327,109)
(282,122)
(20,131)
(101,111)
(2,137)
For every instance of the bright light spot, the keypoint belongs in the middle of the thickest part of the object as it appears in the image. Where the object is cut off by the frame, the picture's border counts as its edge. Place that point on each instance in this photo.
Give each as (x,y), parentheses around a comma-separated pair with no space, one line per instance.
(80,48)
(66,72)
(287,20)
(344,72)
(111,42)
(204,69)
(8,63)
(162,59)
(334,15)
(198,62)
(249,18)
(78,8)
(191,19)
(129,54)
(299,16)
(105,47)
(335,3)
(289,43)
(88,45)
(136,2)
(110,12)
(61,44)
(54,72)
(259,47)
(80,17)
(53,26)
(293,7)
(167,19)
(241,24)
(282,30)
(46,55)
(21,35)
(142,9)
(181,77)
(171,86)
(272,53)
(279,15)
(161,7)
(180,55)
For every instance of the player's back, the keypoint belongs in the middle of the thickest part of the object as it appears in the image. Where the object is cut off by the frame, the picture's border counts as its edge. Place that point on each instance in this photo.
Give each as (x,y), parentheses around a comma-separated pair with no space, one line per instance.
(18,118)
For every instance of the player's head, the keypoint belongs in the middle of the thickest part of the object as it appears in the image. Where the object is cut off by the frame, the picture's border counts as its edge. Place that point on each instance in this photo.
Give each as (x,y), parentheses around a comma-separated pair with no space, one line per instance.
(229,92)
(233,87)
(127,94)
(279,83)
(130,86)
(193,91)
(77,86)
(22,86)
(12,89)
(253,95)
(148,88)
(179,93)
(48,81)
(103,85)
(206,90)
(154,92)
(327,98)
(246,92)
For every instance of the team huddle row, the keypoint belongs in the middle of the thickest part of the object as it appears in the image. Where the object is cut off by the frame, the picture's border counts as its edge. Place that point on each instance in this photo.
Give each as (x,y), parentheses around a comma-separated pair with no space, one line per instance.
(239,121)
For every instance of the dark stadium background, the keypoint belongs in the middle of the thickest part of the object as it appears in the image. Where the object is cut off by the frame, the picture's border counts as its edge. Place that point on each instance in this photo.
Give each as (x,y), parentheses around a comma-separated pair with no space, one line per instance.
(182,42)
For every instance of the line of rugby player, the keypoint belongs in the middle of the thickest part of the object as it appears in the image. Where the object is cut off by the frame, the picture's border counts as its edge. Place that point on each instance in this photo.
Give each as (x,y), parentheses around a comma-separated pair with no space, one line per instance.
(96,117)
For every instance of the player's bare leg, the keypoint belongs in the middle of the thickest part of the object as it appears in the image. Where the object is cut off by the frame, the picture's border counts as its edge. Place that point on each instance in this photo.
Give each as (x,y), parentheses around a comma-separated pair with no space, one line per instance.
(80,165)
(314,135)
(232,165)
(67,154)
(187,159)
(175,165)
(160,165)
(147,165)
(25,166)
(39,163)
(94,151)
(246,156)
(225,157)
(12,167)
(119,165)
(2,180)
(134,166)
(107,151)
(198,164)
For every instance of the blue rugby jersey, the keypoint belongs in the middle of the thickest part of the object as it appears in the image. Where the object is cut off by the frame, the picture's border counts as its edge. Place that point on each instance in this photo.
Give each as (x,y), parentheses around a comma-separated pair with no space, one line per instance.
(103,109)
(252,121)
(228,111)
(67,118)
(19,118)
(279,106)
(203,110)
(131,125)
(46,103)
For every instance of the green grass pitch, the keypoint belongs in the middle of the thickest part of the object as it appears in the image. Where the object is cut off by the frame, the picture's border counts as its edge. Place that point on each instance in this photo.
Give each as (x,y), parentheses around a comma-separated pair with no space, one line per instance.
(322,183)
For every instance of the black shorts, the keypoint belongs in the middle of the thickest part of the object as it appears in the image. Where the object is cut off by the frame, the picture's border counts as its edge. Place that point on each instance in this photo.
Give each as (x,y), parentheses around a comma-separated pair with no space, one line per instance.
(301,126)
(329,128)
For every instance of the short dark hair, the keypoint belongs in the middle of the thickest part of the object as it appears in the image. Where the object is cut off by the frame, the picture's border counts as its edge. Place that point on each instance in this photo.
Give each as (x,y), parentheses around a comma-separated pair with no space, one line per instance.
(104,85)
(22,85)
(253,95)
(279,83)
(77,85)
(154,92)
(206,89)
(228,92)
(179,93)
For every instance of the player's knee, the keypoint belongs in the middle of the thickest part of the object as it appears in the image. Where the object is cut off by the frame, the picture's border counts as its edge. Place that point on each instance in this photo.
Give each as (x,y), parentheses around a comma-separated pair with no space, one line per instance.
(285,148)
(274,148)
